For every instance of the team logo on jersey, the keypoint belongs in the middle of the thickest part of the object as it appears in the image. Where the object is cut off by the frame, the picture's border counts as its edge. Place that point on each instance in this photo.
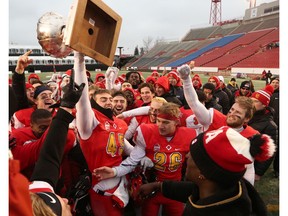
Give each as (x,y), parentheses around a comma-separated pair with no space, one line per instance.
(168,147)
(107,126)
(156,147)
(114,126)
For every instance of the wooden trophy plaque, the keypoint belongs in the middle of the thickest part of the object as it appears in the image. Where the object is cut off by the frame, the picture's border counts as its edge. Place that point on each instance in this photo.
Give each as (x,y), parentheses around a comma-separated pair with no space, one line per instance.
(93,29)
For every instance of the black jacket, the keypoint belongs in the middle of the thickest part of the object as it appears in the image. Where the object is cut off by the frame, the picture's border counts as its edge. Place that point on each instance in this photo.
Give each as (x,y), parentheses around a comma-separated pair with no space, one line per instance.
(223,100)
(274,103)
(239,200)
(47,167)
(262,121)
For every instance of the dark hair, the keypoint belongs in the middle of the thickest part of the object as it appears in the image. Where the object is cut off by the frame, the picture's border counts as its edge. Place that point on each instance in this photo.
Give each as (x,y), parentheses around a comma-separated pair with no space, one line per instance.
(201,95)
(119,93)
(131,72)
(209,86)
(40,114)
(150,86)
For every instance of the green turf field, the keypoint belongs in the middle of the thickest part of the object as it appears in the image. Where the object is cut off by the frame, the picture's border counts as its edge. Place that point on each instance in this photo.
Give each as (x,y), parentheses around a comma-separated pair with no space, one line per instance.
(258,84)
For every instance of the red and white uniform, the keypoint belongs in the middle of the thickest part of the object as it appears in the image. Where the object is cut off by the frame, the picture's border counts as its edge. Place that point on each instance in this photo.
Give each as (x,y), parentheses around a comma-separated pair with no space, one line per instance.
(21,118)
(106,144)
(28,147)
(102,143)
(212,119)
(167,154)
(134,123)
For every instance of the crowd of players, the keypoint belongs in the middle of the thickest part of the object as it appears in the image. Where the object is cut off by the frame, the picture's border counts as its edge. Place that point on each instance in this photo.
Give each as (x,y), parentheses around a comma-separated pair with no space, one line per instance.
(123,144)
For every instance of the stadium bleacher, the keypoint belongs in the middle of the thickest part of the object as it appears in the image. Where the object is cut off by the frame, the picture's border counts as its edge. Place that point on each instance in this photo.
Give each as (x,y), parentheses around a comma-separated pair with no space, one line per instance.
(234,43)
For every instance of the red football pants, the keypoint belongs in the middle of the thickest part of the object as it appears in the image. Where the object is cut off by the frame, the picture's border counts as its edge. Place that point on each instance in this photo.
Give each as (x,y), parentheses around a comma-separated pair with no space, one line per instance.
(104,205)
(151,206)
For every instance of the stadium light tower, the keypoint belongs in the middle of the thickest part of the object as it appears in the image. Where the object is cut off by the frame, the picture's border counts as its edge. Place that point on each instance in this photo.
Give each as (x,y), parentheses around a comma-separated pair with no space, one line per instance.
(120,50)
(215,12)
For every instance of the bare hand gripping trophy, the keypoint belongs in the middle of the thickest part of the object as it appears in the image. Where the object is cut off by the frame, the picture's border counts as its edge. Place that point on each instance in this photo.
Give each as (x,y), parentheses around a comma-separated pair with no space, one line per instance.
(92,28)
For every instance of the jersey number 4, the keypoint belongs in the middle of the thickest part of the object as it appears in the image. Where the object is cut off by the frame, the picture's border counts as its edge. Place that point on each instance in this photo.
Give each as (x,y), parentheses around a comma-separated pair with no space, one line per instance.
(115,144)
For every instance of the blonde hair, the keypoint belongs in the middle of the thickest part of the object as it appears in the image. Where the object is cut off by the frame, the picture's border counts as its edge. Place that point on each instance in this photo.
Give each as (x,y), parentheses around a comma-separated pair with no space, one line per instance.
(93,87)
(246,103)
(159,100)
(170,109)
(39,207)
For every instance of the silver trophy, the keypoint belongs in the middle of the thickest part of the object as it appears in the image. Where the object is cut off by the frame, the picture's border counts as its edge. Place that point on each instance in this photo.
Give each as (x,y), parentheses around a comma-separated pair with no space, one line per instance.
(50,34)
(91,28)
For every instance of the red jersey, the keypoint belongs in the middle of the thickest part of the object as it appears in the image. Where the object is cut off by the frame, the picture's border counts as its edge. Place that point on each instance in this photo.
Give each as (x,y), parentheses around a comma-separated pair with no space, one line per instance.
(19,198)
(143,119)
(106,144)
(168,156)
(219,120)
(28,147)
(189,119)
(248,131)
(21,118)
(184,115)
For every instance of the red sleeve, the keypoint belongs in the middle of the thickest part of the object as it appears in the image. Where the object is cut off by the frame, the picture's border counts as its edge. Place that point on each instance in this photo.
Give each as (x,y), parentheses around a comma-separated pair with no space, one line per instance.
(19,198)
(27,154)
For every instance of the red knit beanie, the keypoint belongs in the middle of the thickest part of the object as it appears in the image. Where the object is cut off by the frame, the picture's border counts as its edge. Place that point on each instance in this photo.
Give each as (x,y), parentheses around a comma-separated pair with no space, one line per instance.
(67,73)
(150,79)
(155,74)
(222,155)
(264,95)
(122,78)
(100,84)
(28,85)
(174,74)
(216,80)
(164,82)
(197,77)
(98,76)
(33,75)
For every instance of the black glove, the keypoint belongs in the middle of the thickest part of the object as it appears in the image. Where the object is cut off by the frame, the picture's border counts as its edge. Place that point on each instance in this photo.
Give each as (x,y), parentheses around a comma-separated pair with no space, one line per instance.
(72,93)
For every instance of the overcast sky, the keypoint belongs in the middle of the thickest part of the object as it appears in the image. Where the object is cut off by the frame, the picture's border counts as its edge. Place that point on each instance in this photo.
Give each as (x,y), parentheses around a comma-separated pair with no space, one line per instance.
(157,19)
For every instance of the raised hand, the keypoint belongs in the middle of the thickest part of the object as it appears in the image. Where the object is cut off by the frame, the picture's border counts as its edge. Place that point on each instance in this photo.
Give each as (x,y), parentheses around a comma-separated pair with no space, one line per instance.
(192,64)
(23,62)
(184,71)
(112,73)
(72,93)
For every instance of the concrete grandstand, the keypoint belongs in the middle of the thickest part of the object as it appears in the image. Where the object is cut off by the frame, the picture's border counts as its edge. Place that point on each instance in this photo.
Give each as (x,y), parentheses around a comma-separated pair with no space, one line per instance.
(248,45)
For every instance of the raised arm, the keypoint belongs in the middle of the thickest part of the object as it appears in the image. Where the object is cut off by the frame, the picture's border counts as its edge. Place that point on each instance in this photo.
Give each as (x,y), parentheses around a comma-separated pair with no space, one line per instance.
(110,77)
(85,118)
(47,168)
(18,81)
(202,114)
(134,112)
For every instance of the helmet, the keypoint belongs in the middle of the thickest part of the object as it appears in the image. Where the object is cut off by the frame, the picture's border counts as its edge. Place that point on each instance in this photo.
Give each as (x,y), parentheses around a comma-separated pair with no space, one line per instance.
(50,34)
(136,179)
